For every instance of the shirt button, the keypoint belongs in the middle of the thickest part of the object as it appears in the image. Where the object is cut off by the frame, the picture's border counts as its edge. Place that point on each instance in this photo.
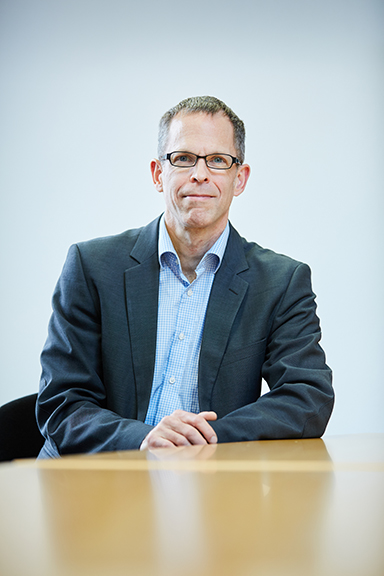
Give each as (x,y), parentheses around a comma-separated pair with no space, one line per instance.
(181,336)
(190,292)
(172,380)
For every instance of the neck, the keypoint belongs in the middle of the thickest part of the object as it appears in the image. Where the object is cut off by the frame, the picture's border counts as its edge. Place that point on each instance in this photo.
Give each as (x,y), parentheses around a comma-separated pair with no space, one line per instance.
(191,244)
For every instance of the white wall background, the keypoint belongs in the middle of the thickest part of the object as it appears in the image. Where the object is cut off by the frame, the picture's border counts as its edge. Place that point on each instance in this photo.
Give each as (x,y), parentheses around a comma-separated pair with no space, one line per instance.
(83,85)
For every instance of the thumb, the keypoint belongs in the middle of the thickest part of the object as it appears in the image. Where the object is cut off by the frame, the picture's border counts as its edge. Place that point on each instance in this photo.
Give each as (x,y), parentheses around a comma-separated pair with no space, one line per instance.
(208,415)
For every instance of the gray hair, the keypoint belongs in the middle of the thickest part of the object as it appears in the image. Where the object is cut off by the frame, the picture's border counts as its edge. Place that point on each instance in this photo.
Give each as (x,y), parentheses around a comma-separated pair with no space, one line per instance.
(209,105)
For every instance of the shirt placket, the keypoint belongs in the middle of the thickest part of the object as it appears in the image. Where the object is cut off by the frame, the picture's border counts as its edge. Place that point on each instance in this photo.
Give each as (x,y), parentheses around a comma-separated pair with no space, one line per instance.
(174,376)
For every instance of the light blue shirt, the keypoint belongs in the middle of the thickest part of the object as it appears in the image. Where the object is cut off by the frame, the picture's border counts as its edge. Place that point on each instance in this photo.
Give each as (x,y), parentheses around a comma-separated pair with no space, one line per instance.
(180,323)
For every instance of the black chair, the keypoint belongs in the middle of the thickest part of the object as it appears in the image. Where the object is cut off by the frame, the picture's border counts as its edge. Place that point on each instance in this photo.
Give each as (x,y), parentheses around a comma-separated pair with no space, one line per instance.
(19,434)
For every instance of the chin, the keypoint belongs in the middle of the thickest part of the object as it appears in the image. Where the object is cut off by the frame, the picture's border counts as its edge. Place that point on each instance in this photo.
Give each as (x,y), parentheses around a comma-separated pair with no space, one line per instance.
(198,221)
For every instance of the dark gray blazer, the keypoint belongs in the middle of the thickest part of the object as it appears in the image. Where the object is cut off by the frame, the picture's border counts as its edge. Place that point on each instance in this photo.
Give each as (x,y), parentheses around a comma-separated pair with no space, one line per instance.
(98,361)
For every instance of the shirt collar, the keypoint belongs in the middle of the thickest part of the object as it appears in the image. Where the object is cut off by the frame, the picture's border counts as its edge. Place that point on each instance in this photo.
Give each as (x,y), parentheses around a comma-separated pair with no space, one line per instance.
(165,245)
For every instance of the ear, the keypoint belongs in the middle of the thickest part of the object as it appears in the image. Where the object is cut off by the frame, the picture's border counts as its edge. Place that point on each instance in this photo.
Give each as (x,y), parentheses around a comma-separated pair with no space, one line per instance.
(243,173)
(156,171)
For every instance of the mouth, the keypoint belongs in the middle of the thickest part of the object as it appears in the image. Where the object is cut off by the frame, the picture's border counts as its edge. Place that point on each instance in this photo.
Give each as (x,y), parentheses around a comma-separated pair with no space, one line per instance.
(198,196)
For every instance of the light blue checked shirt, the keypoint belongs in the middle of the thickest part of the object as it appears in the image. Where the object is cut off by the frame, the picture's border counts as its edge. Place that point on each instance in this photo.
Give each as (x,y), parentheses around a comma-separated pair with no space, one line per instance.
(180,323)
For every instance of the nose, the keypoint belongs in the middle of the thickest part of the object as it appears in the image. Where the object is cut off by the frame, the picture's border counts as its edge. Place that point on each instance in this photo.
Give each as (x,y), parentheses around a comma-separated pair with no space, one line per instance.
(200,172)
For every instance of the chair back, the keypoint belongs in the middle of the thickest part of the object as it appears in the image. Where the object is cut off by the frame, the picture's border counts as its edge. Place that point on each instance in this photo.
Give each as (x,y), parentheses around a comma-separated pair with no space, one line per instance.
(19,434)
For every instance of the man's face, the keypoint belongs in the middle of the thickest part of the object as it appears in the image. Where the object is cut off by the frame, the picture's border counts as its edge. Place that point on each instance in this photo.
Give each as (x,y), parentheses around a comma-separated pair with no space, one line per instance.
(199,197)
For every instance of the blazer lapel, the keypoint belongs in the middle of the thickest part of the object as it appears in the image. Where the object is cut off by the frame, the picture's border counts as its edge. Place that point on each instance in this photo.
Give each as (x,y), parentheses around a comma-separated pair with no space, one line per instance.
(228,291)
(142,289)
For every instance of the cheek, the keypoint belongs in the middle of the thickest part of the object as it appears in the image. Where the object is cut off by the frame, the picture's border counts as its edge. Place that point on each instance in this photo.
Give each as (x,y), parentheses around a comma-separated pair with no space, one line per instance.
(227,185)
(229,190)
(170,193)
(174,184)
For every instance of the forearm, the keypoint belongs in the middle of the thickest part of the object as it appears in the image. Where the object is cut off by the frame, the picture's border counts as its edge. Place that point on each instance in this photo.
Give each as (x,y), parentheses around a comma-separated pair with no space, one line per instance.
(80,426)
(294,412)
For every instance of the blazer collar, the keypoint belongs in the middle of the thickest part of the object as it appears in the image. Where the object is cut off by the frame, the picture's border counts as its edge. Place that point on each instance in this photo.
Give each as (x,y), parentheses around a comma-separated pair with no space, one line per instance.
(141,294)
(227,294)
(146,243)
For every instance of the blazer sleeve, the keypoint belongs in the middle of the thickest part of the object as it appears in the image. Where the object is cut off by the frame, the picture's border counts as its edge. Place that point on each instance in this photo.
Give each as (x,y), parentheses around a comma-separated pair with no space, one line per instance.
(301,396)
(72,410)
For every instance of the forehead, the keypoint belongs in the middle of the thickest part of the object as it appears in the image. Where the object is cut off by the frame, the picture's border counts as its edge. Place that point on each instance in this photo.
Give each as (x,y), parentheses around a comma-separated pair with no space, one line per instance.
(200,133)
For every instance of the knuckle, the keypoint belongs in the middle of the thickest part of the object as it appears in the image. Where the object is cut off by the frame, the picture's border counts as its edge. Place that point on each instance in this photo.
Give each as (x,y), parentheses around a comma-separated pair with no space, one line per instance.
(165,421)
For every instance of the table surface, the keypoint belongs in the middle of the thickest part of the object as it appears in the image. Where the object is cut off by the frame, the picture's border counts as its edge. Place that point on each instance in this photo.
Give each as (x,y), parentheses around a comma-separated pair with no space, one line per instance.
(269,508)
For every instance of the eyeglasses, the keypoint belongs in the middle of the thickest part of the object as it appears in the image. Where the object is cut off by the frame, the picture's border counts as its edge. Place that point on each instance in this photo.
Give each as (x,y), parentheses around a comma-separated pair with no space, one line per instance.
(187,160)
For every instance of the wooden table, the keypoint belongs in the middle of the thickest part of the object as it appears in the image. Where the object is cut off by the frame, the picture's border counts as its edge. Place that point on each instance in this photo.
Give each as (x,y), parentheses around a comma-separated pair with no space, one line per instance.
(270,508)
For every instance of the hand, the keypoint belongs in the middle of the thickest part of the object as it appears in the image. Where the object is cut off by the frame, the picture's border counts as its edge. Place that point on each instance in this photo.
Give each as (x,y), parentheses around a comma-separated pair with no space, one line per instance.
(181,429)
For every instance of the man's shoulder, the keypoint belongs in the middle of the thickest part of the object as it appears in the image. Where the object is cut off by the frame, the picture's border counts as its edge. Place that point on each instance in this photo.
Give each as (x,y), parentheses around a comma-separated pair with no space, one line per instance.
(123,239)
(119,245)
(256,254)
(270,269)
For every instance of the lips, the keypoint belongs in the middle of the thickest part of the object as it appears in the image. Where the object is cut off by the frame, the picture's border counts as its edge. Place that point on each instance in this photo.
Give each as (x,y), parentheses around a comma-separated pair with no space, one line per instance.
(197,196)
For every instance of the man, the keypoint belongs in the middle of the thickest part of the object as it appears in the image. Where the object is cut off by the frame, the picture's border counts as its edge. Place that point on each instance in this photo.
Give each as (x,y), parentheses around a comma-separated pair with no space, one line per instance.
(160,336)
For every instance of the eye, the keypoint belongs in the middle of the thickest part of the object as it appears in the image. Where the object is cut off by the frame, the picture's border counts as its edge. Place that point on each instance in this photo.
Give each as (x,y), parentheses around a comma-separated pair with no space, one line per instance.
(183,159)
(219,161)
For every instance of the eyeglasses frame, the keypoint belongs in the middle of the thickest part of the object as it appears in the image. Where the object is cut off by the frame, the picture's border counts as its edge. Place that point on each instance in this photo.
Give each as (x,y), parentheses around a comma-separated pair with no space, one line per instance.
(234,159)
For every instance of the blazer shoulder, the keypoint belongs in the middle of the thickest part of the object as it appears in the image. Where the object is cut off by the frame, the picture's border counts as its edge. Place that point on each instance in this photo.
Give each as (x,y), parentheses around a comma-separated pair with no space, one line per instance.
(264,258)
(107,244)
(111,249)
